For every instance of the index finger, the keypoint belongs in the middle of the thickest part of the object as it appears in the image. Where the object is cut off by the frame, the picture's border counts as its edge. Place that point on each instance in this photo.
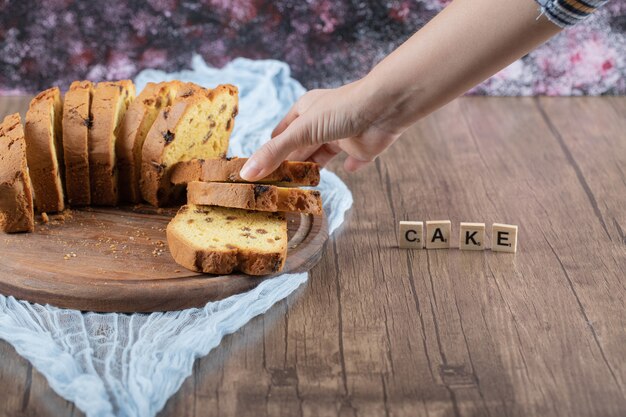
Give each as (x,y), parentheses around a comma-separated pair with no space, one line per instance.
(272,153)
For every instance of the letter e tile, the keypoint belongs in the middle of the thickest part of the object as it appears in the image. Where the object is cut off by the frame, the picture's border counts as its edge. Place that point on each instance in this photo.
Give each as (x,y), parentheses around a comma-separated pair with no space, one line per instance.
(504,237)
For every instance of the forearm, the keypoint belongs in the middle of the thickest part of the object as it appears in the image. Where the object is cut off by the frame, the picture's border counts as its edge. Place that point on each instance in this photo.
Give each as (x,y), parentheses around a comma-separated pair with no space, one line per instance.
(466,43)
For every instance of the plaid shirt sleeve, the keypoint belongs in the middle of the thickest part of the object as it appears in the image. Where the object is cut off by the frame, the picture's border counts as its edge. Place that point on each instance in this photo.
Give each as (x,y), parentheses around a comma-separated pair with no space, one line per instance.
(565,13)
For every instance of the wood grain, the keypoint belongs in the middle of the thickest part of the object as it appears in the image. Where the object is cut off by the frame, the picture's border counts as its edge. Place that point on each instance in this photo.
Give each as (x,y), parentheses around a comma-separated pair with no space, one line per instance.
(383,331)
(117,260)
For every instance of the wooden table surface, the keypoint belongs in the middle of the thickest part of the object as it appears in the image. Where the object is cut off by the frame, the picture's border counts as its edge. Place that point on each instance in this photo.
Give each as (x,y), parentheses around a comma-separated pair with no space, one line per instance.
(382,331)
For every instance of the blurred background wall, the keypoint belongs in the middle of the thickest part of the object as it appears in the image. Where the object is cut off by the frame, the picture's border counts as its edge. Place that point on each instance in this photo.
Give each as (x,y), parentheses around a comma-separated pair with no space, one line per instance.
(326,43)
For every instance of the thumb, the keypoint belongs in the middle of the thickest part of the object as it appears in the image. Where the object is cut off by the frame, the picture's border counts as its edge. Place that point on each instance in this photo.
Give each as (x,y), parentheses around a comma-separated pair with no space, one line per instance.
(272,153)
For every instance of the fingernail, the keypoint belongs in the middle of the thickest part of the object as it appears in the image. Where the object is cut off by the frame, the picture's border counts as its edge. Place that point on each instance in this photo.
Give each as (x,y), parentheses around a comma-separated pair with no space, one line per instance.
(250,170)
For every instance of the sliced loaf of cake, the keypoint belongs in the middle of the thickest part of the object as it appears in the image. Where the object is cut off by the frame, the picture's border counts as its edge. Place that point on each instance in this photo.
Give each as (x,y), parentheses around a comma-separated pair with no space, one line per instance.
(254,197)
(76,124)
(16,197)
(219,240)
(197,125)
(288,173)
(137,122)
(109,104)
(44,149)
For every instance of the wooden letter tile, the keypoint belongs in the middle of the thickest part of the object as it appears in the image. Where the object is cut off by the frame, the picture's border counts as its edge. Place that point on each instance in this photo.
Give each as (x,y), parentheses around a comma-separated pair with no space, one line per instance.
(410,235)
(504,237)
(472,236)
(438,234)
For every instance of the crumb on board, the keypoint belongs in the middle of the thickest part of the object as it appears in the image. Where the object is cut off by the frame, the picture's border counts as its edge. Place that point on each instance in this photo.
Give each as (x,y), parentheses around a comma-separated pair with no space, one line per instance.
(57,218)
(69,256)
(65,215)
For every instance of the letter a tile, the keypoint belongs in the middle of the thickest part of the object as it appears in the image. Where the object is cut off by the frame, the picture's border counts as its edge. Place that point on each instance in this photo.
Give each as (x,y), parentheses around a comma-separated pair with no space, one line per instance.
(438,234)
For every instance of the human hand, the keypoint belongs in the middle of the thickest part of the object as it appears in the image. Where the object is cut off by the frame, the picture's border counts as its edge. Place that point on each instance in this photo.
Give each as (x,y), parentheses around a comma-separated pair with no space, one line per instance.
(324,123)
(463,45)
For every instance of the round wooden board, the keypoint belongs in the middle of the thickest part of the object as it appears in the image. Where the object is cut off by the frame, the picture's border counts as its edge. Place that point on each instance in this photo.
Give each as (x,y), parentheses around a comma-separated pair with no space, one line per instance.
(117,260)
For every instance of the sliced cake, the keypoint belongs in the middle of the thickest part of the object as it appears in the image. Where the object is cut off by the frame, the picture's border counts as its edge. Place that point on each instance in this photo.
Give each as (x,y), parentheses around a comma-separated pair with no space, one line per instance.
(288,173)
(219,240)
(109,104)
(182,89)
(197,125)
(76,124)
(16,197)
(43,133)
(254,197)
(137,122)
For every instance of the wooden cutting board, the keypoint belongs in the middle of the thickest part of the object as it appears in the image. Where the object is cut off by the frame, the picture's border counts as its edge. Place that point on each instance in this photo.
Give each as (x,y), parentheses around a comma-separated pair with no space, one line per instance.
(117,260)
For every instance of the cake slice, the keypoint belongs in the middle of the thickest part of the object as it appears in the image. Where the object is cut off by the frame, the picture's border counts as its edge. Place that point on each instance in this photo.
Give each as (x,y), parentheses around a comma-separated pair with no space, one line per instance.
(16,197)
(219,240)
(109,104)
(197,125)
(76,124)
(44,151)
(137,122)
(288,173)
(254,197)
(180,89)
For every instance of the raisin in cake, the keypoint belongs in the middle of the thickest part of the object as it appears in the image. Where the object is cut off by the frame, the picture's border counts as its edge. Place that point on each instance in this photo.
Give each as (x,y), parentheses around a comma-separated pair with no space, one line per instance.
(76,124)
(197,125)
(44,149)
(288,173)
(137,122)
(16,197)
(183,90)
(219,240)
(109,104)
(254,197)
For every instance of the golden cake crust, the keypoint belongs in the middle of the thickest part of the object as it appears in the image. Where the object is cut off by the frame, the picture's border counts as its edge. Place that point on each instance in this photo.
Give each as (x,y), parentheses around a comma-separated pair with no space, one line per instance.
(209,114)
(288,173)
(207,258)
(43,133)
(109,104)
(259,197)
(76,124)
(137,122)
(16,199)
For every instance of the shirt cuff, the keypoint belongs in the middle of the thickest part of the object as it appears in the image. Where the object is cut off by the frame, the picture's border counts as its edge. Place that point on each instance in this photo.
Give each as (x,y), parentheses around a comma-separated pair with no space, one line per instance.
(566,13)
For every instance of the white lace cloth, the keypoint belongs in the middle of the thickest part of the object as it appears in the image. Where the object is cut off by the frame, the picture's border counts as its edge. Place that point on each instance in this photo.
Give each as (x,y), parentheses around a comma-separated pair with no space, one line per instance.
(129,365)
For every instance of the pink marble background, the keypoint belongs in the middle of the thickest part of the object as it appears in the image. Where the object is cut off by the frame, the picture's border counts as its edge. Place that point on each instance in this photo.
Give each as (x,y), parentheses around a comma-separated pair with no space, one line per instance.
(326,43)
